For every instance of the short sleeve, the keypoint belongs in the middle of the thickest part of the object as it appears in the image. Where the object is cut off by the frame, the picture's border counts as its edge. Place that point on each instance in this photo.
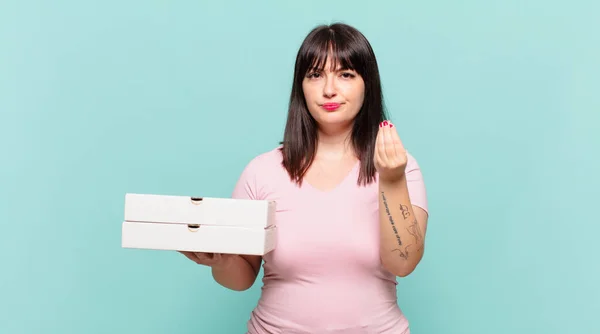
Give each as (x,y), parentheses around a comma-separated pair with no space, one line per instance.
(246,186)
(416,184)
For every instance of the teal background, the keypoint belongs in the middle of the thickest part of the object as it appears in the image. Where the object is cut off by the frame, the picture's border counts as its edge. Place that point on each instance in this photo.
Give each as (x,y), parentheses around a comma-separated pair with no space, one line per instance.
(498,100)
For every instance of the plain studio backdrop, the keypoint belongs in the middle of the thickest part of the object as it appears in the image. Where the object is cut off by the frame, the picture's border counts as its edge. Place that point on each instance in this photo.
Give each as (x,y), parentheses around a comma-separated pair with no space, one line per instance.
(498,100)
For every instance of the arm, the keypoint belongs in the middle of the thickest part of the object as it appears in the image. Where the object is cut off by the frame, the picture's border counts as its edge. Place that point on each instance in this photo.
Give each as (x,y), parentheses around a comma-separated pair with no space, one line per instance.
(237,273)
(402,223)
(403,227)
(241,271)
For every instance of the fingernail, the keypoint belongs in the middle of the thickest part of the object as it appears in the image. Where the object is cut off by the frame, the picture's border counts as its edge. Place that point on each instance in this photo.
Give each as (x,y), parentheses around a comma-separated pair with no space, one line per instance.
(385,123)
(391,125)
(381,125)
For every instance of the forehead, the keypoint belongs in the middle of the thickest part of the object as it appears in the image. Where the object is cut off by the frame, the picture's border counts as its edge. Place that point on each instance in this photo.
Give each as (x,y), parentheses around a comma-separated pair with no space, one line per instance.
(329,63)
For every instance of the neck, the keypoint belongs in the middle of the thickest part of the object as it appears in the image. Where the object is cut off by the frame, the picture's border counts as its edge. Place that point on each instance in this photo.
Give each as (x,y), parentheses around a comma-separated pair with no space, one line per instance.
(335,143)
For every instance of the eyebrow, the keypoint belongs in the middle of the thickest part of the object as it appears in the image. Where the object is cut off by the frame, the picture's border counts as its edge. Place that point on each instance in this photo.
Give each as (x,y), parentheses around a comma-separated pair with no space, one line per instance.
(341,68)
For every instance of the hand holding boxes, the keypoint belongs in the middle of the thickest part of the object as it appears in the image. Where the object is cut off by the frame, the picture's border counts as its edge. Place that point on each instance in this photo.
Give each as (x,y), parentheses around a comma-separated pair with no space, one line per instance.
(199,224)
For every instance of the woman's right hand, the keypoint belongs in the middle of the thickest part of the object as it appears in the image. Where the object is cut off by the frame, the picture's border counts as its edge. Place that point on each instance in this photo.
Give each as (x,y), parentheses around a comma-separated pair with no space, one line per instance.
(210,259)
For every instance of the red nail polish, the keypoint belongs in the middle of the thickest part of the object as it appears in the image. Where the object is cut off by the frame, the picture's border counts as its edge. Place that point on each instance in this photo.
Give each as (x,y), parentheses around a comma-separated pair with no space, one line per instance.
(391,125)
(385,123)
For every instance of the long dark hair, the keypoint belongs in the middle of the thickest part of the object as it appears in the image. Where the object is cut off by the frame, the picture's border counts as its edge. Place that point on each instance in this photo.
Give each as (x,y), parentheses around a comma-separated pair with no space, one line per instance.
(349,49)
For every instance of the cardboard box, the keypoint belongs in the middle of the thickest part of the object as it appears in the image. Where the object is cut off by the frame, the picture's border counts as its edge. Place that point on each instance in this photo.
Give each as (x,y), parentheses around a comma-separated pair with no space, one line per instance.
(199,224)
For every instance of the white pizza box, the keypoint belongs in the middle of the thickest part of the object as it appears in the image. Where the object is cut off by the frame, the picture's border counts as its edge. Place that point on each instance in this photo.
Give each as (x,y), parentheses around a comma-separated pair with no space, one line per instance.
(199,210)
(199,224)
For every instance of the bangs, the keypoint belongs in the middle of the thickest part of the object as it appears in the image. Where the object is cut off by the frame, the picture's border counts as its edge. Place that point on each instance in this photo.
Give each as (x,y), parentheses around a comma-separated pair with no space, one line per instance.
(327,45)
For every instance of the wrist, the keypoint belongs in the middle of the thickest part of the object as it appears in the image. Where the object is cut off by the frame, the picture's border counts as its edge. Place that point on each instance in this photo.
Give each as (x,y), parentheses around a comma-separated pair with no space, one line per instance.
(393,182)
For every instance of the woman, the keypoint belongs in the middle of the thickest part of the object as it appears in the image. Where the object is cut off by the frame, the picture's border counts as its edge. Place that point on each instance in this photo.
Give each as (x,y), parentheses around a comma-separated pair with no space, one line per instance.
(351,203)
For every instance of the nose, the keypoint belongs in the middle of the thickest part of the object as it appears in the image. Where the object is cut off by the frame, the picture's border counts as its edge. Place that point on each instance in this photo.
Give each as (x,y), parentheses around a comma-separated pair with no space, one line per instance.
(329,90)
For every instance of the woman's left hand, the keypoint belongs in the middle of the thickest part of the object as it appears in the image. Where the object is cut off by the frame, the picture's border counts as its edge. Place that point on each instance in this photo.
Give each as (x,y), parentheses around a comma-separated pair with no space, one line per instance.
(390,155)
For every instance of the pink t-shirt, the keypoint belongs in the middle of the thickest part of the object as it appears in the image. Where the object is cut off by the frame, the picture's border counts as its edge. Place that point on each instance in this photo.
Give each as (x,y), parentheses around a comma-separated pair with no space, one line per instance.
(325,274)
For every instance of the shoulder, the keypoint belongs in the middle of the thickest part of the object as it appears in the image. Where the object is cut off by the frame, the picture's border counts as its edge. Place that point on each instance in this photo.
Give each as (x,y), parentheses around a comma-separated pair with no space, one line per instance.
(258,175)
(265,162)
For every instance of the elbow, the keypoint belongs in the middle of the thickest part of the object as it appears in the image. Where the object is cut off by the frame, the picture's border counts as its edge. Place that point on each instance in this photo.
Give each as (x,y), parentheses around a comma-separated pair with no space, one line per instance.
(240,287)
(244,285)
(236,286)
(400,267)
(237,283)
(404,271)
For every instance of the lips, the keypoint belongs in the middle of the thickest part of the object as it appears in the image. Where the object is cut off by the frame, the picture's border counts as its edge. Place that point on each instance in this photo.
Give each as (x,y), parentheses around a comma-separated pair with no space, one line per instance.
(331,106)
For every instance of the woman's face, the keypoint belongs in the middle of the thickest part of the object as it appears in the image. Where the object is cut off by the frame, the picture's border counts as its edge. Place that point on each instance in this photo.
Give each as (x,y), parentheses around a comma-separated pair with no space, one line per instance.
(333,97)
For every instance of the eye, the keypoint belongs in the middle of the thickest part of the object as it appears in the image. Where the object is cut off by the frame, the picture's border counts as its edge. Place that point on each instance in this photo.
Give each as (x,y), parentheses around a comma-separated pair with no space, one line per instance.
(313,75)
(348,75)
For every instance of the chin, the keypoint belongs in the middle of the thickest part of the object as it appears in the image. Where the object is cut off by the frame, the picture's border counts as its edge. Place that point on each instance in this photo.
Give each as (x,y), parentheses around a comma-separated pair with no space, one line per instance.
(334,118)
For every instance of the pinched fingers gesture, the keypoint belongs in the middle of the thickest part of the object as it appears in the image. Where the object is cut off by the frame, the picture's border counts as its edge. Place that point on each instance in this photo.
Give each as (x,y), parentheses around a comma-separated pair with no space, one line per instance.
(390,156)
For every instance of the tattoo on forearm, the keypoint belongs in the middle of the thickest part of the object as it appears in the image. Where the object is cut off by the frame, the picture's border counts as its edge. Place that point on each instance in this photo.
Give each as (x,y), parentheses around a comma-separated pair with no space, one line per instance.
(415,231)
(387,210)
(403,254)
(405,212)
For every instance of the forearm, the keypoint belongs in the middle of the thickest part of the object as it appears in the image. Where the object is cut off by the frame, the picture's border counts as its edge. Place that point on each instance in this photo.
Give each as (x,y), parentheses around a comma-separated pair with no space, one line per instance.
(402,240)
(237,275)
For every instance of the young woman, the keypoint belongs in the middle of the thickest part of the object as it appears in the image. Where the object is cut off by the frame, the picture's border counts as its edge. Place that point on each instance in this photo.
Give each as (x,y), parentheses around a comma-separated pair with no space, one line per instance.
(351,202)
